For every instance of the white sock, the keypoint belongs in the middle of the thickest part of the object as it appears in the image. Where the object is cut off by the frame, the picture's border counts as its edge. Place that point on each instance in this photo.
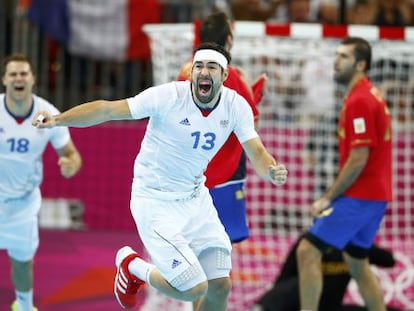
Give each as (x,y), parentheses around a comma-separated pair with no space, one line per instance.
(141,269)
(25,300)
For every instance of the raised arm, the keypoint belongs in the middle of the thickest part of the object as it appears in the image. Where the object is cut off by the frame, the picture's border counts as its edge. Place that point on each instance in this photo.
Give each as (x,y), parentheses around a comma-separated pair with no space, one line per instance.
(85,115)
(264,163)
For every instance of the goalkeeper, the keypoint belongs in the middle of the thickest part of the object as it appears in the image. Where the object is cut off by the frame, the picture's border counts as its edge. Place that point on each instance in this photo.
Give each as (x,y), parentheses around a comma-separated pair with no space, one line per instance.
(284,295)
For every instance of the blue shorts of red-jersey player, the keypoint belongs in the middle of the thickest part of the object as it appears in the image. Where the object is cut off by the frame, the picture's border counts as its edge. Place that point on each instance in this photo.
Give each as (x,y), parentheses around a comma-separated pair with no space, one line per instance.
(349,224)
(230,202)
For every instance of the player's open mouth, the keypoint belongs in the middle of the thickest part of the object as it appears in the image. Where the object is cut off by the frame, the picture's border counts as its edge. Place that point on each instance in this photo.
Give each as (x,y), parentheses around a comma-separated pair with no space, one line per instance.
(204,87)
(19,88)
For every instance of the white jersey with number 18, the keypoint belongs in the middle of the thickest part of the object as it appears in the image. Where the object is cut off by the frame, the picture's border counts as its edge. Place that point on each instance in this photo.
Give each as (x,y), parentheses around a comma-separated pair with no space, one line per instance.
(21,149)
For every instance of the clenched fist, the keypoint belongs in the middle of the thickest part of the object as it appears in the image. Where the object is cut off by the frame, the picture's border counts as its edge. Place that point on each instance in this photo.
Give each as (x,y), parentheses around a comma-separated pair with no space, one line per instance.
(278,174)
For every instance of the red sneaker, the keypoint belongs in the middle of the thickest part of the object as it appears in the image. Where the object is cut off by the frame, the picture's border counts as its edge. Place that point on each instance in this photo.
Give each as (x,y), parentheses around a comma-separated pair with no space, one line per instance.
(126,285)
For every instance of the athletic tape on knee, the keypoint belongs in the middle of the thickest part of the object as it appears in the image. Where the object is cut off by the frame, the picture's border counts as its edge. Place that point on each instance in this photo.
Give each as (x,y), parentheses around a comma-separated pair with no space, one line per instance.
(192,272)
(223,260)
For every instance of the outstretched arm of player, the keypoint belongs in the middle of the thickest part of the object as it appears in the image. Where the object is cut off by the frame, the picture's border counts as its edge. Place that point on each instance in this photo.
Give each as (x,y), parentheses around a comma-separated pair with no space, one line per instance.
(264,163)
(85,115)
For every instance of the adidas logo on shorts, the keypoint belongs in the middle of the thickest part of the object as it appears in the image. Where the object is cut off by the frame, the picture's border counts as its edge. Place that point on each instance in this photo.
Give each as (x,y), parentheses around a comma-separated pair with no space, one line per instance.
(175,263)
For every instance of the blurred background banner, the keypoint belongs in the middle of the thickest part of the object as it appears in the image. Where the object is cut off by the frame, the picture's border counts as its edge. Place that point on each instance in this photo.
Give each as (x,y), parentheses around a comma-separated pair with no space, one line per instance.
(100,29)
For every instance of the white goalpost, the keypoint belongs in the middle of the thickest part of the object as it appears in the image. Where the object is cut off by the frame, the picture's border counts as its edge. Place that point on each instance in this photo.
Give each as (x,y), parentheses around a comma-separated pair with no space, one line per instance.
(298,123)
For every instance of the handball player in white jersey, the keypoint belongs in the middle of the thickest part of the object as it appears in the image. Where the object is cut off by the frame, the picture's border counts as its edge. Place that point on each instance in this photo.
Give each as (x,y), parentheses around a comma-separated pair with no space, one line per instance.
(188,123)
(21,171)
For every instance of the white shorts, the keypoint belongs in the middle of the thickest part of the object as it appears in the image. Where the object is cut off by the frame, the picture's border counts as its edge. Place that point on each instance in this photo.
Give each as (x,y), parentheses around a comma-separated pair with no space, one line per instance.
(19,232)
(175,233)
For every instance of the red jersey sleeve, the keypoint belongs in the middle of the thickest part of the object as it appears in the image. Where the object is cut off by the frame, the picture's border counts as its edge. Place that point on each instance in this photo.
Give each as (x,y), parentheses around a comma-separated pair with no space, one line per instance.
(235,82)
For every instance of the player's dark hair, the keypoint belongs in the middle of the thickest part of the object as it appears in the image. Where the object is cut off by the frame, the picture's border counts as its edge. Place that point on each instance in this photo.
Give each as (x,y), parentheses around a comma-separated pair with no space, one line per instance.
(362,50)
(215,28)
(16,58)
(214,46)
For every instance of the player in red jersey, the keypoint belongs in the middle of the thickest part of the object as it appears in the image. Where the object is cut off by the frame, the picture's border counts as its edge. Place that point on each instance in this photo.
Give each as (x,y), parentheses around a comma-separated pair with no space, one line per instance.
(226,173)
(349,213)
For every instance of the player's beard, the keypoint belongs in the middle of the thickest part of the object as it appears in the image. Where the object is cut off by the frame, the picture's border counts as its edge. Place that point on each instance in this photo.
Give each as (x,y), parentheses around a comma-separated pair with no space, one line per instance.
(209,97)
(344,76)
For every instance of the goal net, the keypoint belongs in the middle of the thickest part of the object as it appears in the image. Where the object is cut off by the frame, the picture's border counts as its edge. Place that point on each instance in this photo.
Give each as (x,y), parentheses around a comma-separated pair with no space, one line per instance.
(297,124)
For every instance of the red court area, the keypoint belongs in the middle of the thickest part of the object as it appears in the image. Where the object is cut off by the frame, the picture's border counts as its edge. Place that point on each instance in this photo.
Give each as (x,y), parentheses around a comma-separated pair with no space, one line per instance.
(74,270)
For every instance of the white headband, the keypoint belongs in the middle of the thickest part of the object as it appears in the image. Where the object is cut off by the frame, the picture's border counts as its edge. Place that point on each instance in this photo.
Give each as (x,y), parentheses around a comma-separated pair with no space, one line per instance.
(211,55)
